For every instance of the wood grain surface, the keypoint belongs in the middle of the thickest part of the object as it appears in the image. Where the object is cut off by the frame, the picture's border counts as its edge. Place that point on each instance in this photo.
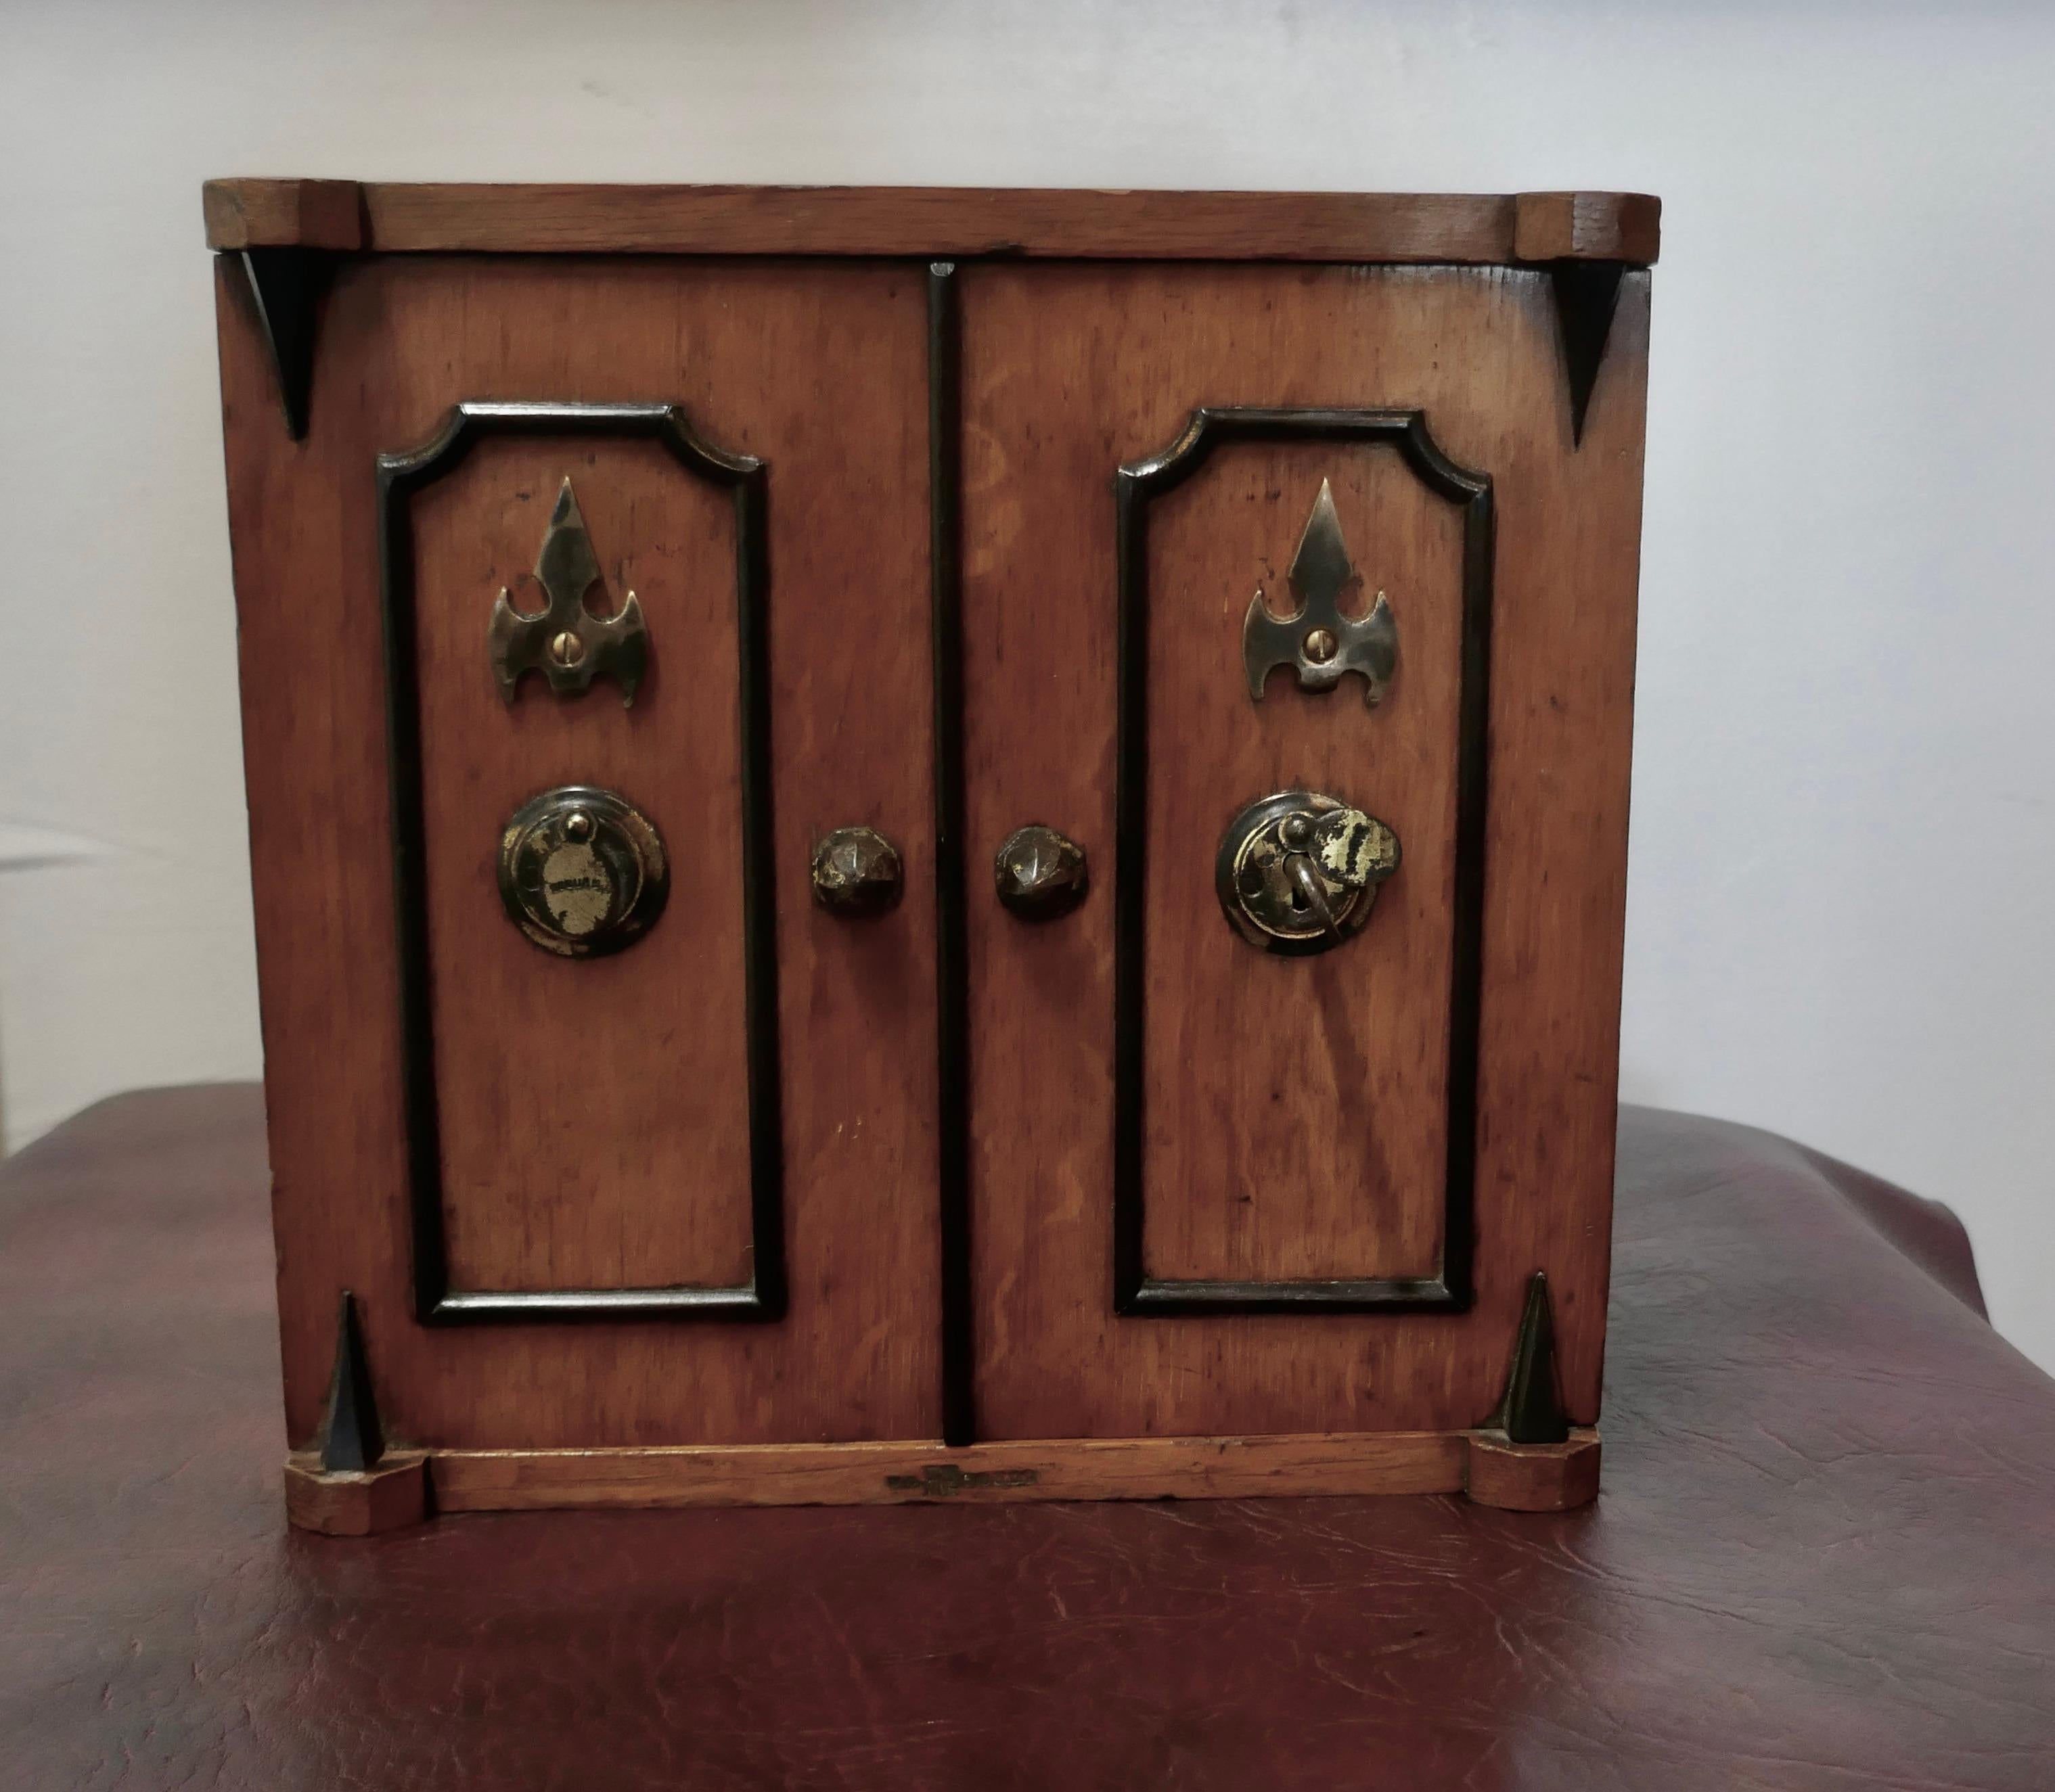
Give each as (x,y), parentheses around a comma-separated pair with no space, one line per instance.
(388,1497)
(594,1120)
(925,220)
(891,1474)
(1296,1106)
(1069,373)
(593,1114)
(1295,1111)
(1581,227)
(282,214)
(1532,1477)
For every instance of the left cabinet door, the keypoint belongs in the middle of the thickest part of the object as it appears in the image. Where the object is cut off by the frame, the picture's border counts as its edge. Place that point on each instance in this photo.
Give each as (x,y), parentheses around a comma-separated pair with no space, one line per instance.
(681,1192)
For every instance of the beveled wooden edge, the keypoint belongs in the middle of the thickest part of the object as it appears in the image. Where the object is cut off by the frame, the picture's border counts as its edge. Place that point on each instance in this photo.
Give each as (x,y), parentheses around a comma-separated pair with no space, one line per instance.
(394,1493)
(283,213)
(1586,226)
(1098,1468)
(943,221)
(1532,1477)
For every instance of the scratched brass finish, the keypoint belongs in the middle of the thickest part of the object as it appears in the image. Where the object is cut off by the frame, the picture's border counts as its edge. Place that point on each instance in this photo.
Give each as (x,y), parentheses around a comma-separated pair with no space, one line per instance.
(583,871)
(857,873)
(1040,874)
(1320,643)
(564,640)
(1298,871)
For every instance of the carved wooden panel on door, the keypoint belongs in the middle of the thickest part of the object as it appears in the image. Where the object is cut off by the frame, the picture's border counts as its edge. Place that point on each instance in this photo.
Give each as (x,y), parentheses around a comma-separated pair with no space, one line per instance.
(1293,1117)
(594,1118)
(593,1115)
(1285,1134)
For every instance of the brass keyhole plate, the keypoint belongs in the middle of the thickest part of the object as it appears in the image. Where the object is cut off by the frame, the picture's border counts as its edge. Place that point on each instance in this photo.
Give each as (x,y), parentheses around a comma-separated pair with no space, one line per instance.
(582,871)
(1263,900)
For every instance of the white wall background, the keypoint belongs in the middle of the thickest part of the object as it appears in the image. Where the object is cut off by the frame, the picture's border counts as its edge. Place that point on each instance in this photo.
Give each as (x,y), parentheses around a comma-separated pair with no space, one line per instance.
(1843,857)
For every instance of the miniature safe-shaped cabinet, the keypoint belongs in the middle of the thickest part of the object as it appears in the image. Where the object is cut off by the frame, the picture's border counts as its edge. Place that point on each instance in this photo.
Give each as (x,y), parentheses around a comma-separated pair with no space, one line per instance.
(919,844)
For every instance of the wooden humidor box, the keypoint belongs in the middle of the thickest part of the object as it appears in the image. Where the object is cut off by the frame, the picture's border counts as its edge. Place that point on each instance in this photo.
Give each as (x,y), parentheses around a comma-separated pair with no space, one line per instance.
(717,1097)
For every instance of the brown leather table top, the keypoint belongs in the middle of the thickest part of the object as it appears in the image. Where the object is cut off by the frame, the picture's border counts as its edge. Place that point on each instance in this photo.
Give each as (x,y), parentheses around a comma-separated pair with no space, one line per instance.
(1825,1555)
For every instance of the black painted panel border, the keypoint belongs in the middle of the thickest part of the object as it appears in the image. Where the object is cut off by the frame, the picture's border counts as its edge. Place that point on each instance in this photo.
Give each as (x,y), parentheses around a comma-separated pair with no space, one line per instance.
(952,949)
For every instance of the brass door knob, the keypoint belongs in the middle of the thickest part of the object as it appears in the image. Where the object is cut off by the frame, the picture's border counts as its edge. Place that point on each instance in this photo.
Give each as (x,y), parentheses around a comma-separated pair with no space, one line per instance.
(1298,871)
(857,873)
(1041,873)
(582,871)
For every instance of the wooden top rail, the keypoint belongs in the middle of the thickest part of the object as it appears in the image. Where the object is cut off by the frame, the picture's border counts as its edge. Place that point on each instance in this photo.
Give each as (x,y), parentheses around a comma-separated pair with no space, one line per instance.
(943,221)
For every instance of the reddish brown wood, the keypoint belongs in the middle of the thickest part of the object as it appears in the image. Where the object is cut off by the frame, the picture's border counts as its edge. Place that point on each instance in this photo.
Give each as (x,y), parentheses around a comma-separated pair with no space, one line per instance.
(1532,1477)
(593,1125)
(279,214)
(1126,225)
(1296,1108)
(1578,227)
(594,1113)
(1069,373)
(894,1474)
(389,1496)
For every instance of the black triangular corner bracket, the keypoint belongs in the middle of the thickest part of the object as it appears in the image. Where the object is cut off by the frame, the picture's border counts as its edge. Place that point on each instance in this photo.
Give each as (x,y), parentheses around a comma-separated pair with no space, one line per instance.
(351,1441)
(1531,1411)
(286,285)
(1587,294)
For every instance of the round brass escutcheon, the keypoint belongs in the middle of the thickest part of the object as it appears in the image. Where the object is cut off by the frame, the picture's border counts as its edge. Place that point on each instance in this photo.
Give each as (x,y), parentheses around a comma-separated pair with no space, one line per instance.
(582,871)
(1041,874)
(1297,872)
(857,873)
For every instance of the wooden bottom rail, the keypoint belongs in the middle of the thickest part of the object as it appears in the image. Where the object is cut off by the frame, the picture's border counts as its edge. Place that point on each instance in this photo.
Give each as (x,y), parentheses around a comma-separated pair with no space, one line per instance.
(1481,1464)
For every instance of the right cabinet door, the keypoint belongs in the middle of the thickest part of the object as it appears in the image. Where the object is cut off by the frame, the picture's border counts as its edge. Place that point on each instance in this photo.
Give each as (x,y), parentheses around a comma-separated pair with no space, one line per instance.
(1288,596)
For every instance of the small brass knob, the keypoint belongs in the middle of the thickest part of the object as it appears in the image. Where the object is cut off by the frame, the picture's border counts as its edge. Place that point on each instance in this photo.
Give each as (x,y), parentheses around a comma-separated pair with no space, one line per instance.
(582,871)
(857,873)
(1041,874)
